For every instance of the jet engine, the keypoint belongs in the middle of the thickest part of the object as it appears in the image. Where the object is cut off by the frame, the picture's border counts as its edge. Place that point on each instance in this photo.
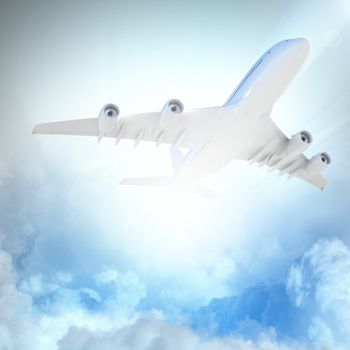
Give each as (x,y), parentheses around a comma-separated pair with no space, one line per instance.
(171,108)
(107,119)
(174,106)
(318,163)
(297,144)
(110,111)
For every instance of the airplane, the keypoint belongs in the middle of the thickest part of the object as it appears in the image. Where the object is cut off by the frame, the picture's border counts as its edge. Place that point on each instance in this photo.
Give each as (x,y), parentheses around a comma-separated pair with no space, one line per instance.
(205,140)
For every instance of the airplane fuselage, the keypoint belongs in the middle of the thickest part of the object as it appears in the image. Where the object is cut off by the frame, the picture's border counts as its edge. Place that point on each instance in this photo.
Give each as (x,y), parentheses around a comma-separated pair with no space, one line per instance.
(251,100)
(241,129)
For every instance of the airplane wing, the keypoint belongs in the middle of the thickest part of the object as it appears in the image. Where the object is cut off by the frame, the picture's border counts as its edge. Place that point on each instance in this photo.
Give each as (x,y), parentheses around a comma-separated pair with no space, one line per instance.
(265,150)
(188,129)
(86,127)
(192,129)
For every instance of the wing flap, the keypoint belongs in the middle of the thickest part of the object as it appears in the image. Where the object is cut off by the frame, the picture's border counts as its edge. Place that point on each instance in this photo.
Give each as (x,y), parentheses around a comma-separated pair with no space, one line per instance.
(266,142)
(187,130)
(316,180)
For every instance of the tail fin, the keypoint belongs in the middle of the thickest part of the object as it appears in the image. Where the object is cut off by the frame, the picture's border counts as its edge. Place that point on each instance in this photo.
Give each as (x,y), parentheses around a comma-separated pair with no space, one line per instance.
(177,158)
(168,181)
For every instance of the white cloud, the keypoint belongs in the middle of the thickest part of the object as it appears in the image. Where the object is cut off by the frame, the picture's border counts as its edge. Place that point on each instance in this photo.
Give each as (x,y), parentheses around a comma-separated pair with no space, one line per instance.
(63,277)
(4,172)
(37,285)
(92,294)
(129,291)
(319,283)
(154,333)
(22,326)
(16,324)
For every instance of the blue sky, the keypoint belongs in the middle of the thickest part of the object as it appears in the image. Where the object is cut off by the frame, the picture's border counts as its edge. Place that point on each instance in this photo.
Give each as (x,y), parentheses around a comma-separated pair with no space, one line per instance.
(87,264)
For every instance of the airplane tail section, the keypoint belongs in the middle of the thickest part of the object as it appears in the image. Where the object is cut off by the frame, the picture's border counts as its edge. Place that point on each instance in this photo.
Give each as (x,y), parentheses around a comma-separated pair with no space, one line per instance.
(177,159)
(202,191)
(169,182)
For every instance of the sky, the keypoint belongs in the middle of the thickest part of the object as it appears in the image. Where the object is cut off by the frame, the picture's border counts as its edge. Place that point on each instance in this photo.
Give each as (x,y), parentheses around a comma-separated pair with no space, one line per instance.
(88,264)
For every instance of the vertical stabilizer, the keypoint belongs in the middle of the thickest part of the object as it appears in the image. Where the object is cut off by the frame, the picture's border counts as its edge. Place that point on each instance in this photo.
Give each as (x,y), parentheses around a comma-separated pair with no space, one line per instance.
(177,159)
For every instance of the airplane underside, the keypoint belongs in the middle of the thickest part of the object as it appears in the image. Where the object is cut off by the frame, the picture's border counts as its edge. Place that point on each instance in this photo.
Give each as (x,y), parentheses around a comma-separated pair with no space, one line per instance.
(241,129)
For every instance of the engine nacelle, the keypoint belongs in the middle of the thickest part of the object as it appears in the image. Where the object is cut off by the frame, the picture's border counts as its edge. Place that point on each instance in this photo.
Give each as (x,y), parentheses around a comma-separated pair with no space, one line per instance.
(173,106)
(297,144)
(169,110)
(318,163)
(107,119)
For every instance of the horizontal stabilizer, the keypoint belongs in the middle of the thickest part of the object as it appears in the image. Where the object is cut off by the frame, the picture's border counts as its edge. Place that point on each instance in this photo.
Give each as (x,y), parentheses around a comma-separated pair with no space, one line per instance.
(168,181)
(160,181)
(202,191)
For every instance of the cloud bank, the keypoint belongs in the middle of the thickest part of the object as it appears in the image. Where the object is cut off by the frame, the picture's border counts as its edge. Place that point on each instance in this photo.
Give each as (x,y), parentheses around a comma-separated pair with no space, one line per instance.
(310,311)
(313,305)
(156,334)
(319,284)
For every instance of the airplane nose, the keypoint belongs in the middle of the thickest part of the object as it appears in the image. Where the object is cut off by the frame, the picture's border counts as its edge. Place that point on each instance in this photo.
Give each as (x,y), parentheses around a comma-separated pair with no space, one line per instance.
(302,43)
(301,47)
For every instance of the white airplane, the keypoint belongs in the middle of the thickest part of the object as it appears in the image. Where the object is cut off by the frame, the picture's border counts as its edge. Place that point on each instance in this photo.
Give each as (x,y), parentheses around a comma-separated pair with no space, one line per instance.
(207,139)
